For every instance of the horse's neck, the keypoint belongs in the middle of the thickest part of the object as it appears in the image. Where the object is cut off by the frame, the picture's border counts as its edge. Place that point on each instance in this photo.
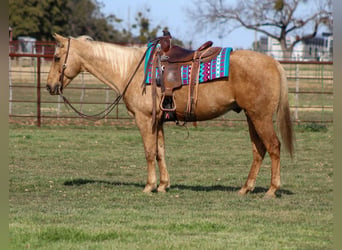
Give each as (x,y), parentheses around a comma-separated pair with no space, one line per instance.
(111,64)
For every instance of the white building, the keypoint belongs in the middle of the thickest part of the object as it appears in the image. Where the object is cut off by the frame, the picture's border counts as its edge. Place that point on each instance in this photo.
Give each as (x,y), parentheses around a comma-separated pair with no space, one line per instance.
(319,48)
(27,44)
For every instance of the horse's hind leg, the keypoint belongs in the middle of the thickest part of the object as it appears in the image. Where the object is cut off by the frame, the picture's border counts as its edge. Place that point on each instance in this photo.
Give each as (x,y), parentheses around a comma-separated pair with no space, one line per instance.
(259,151)
(265,130)
(164,175)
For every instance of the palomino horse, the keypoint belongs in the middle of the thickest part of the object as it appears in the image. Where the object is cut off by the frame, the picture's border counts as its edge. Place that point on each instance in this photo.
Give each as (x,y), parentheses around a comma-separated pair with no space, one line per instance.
(256,84)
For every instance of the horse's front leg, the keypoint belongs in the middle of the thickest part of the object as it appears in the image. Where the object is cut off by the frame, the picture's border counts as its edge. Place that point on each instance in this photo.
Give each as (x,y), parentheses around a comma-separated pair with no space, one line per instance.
(150,146)
(164,175)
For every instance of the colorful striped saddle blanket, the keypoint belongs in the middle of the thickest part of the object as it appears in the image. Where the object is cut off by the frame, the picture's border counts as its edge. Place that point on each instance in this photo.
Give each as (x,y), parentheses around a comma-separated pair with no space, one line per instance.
(217,67)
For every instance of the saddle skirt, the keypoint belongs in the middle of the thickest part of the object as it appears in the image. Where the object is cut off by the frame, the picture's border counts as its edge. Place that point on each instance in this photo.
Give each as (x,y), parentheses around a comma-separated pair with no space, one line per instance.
(214,68)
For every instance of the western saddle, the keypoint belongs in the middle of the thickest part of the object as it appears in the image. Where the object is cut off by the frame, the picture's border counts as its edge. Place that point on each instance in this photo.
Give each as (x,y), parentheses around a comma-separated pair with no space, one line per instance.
(167,60)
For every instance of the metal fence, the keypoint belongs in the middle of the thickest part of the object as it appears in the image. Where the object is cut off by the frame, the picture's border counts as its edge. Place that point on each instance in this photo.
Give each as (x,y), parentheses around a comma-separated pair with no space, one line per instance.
(310,93)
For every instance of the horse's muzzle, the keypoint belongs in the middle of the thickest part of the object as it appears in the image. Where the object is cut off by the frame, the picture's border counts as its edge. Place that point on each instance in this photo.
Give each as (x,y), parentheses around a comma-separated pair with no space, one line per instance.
(55,90)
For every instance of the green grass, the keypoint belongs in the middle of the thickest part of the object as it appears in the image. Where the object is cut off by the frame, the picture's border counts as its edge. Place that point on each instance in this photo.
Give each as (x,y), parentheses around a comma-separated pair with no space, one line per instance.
(81,188)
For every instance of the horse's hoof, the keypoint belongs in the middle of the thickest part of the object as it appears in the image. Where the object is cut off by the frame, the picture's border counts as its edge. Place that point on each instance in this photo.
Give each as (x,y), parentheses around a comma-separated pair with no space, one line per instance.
(162,189)
(269,196)
(243,191)
(149,188)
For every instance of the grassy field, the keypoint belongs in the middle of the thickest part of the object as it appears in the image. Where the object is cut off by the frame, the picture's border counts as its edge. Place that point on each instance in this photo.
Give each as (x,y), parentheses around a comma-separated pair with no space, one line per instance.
(81,188)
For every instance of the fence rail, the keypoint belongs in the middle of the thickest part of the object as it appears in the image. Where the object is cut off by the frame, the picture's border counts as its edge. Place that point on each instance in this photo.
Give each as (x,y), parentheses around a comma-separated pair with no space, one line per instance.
(310,92)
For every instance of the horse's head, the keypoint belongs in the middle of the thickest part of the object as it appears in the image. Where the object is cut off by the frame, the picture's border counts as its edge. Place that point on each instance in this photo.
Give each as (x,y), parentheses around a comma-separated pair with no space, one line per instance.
(65,66)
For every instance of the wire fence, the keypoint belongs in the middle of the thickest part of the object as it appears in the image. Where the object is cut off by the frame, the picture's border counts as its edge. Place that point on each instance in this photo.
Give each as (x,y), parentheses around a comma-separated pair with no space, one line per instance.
(310,93)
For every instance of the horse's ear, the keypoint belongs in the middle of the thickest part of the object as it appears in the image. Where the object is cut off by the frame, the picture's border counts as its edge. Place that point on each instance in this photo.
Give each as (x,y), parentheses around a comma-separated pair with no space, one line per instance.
(60,39)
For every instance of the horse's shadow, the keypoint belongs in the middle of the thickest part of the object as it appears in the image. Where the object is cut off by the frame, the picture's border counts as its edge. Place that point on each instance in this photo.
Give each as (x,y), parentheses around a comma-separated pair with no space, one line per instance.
(257,190)
(197,188)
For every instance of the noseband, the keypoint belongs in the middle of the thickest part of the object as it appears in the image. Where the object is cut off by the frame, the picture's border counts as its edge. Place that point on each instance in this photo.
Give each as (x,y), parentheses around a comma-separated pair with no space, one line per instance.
(61,77)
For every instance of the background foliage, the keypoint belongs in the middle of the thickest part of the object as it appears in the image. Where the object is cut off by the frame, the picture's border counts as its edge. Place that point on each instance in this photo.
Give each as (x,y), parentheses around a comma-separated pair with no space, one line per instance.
(41,18)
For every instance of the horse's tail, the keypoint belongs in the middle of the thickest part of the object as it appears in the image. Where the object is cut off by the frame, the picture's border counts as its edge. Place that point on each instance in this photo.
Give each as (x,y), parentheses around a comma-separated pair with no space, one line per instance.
(283,113)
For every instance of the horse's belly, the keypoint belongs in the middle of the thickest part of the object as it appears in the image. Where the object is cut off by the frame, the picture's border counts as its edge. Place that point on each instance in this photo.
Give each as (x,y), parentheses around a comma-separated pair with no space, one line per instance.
(213,100)
(213,111)
(207,111)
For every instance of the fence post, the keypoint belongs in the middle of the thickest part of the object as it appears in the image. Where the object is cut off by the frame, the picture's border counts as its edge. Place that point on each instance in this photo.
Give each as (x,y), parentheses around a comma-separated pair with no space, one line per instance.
(10,85)
(38,91)
(322,89)
(107,101)
(82,92)
(59,100)
(297,91)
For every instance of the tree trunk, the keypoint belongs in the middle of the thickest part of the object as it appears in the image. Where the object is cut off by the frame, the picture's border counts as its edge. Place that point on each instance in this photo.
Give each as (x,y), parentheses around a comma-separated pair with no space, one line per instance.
(287,50)
(287,54)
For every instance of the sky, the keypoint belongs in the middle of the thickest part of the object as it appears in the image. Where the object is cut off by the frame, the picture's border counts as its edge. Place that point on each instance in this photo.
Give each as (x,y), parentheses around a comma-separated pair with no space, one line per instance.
(172,13)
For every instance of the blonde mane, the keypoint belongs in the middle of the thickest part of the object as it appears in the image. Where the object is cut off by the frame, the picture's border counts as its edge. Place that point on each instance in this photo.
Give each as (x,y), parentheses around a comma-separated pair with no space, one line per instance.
(85,38)
(119,57)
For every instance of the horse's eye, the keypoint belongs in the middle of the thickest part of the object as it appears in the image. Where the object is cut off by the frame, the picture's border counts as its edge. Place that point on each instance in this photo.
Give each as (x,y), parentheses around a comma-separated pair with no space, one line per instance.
(56,59)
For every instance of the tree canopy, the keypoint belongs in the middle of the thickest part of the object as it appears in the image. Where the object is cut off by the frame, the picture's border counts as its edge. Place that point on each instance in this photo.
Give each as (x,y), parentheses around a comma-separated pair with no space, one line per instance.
(278,19)
(42,18)
(31,18)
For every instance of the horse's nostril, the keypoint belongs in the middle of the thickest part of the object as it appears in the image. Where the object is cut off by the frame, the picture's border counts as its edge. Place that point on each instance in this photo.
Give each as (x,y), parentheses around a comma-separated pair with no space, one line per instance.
(54,90)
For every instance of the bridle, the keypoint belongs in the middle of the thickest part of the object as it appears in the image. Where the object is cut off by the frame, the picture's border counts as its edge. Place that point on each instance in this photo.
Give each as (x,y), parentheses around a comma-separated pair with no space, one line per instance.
(61,77)
(105,112)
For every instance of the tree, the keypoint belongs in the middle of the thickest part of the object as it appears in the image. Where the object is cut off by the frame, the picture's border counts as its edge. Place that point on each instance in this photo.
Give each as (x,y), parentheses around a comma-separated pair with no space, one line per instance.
(146,32)
(278,19)
(41,18)
(143,24)
(87,18)
(37,18)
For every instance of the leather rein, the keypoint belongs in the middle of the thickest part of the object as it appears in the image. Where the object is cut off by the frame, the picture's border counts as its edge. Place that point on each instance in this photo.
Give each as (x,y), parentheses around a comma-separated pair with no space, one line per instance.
(105,112)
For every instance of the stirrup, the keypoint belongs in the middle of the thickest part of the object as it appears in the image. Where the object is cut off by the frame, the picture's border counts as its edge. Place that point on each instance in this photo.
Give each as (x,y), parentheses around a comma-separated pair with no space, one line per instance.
(172,104)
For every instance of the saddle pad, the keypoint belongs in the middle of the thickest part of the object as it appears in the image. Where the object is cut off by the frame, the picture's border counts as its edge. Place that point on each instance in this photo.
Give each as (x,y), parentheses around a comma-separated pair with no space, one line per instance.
(216,68)
(148,63)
